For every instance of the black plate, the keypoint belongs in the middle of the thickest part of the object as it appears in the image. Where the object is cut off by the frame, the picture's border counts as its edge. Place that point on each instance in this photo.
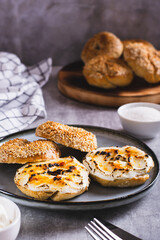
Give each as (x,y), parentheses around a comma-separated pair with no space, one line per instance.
(97,197)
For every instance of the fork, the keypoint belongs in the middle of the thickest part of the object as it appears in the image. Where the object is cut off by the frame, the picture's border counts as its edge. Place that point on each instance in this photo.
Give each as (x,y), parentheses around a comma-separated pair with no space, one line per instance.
(100,232)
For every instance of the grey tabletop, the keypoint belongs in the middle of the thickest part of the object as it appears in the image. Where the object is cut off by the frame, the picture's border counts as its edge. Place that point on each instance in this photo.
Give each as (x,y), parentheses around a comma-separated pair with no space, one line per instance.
(140,218)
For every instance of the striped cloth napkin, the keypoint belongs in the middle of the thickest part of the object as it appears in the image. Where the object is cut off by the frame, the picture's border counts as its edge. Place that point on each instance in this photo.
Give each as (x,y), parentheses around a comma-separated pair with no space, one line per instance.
(21,99)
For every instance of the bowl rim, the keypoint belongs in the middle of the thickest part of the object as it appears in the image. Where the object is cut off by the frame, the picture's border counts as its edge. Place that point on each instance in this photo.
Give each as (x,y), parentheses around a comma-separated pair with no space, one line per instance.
(17,215)
(130,105)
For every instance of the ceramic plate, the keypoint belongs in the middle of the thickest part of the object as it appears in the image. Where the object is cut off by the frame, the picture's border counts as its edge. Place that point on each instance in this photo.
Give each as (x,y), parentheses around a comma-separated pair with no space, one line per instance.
(97,197)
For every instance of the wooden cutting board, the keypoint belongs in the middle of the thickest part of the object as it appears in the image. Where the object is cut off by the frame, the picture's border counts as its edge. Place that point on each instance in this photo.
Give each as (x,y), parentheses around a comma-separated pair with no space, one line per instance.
(72,84)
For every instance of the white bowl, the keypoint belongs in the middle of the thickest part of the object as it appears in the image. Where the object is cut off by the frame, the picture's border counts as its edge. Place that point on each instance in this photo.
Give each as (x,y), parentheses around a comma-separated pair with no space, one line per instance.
(11,231)
(143,128)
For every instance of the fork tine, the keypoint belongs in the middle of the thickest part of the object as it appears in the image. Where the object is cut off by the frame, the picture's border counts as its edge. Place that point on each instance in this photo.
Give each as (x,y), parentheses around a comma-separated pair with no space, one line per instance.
(105,235)
(92,234)
(114,236)
(97,231)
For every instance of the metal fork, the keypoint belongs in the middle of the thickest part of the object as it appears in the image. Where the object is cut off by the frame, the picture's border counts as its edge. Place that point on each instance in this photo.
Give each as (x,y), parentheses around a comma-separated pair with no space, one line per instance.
(100,232)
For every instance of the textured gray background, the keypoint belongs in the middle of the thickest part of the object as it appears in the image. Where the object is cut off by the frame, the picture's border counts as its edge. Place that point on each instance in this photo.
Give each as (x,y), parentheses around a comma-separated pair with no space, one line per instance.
(59,28)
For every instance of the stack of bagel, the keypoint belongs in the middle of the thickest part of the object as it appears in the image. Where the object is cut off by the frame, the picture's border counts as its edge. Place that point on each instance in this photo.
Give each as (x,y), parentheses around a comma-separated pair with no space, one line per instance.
(110,62)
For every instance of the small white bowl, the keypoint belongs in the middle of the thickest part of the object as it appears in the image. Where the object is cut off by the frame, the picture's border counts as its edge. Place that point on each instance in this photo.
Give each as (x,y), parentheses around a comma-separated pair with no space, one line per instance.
(11,231)
(139,128)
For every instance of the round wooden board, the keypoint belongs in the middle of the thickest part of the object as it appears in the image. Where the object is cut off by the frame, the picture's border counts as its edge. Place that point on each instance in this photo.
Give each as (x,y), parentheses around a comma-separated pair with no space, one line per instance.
(72,84)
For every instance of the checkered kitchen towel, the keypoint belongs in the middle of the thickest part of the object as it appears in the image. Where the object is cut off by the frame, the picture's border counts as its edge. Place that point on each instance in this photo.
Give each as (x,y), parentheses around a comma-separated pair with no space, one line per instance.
(21,99)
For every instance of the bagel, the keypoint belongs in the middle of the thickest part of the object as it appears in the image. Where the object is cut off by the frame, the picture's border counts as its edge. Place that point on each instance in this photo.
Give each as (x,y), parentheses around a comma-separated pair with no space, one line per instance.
(144,61)
(119,166)
(102,43)
(23,151)
(58,179)
(105,72)
(73,137)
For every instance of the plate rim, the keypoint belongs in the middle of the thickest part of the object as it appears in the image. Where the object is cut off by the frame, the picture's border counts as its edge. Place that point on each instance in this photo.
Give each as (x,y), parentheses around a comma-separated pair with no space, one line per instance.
(97,202)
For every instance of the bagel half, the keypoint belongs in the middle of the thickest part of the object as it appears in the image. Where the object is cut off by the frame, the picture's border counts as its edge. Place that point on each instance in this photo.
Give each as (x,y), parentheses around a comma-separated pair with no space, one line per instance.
(119,167)
(73,137)
(23,151)
(59,179)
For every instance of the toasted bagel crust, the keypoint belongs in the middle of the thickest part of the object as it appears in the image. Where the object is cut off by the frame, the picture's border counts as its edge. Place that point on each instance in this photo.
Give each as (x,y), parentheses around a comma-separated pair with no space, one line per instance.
(73,137)
(23,151)
(121,182)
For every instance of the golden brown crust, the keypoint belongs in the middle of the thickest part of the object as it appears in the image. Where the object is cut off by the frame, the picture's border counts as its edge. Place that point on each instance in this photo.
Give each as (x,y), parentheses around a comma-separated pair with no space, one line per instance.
(73,137)
(39,195)
(122,182)
(105,72)
(23,151)
(42,195)
(143,60)
(65,196)
(102,43)
(145,43)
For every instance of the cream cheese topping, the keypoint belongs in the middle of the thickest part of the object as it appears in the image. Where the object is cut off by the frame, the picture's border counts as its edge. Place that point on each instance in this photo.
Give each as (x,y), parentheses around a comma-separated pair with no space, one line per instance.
(112,163)
(63,174)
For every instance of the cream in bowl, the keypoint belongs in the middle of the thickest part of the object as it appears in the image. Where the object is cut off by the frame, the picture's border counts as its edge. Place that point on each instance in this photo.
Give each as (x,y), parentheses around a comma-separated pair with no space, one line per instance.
(10,218)
(141,119)
(4,217)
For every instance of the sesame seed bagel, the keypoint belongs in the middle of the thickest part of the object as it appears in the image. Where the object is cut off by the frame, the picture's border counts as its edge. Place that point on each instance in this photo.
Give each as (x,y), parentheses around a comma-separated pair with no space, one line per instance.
(102,43)
(119,166)
(105,72)
(73,137)
(144,60)
(23,151)
(58,179)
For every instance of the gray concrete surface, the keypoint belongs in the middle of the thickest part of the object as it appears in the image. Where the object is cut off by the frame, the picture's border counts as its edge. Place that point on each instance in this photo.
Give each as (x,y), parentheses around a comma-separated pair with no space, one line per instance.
(59,28)
(140,218)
